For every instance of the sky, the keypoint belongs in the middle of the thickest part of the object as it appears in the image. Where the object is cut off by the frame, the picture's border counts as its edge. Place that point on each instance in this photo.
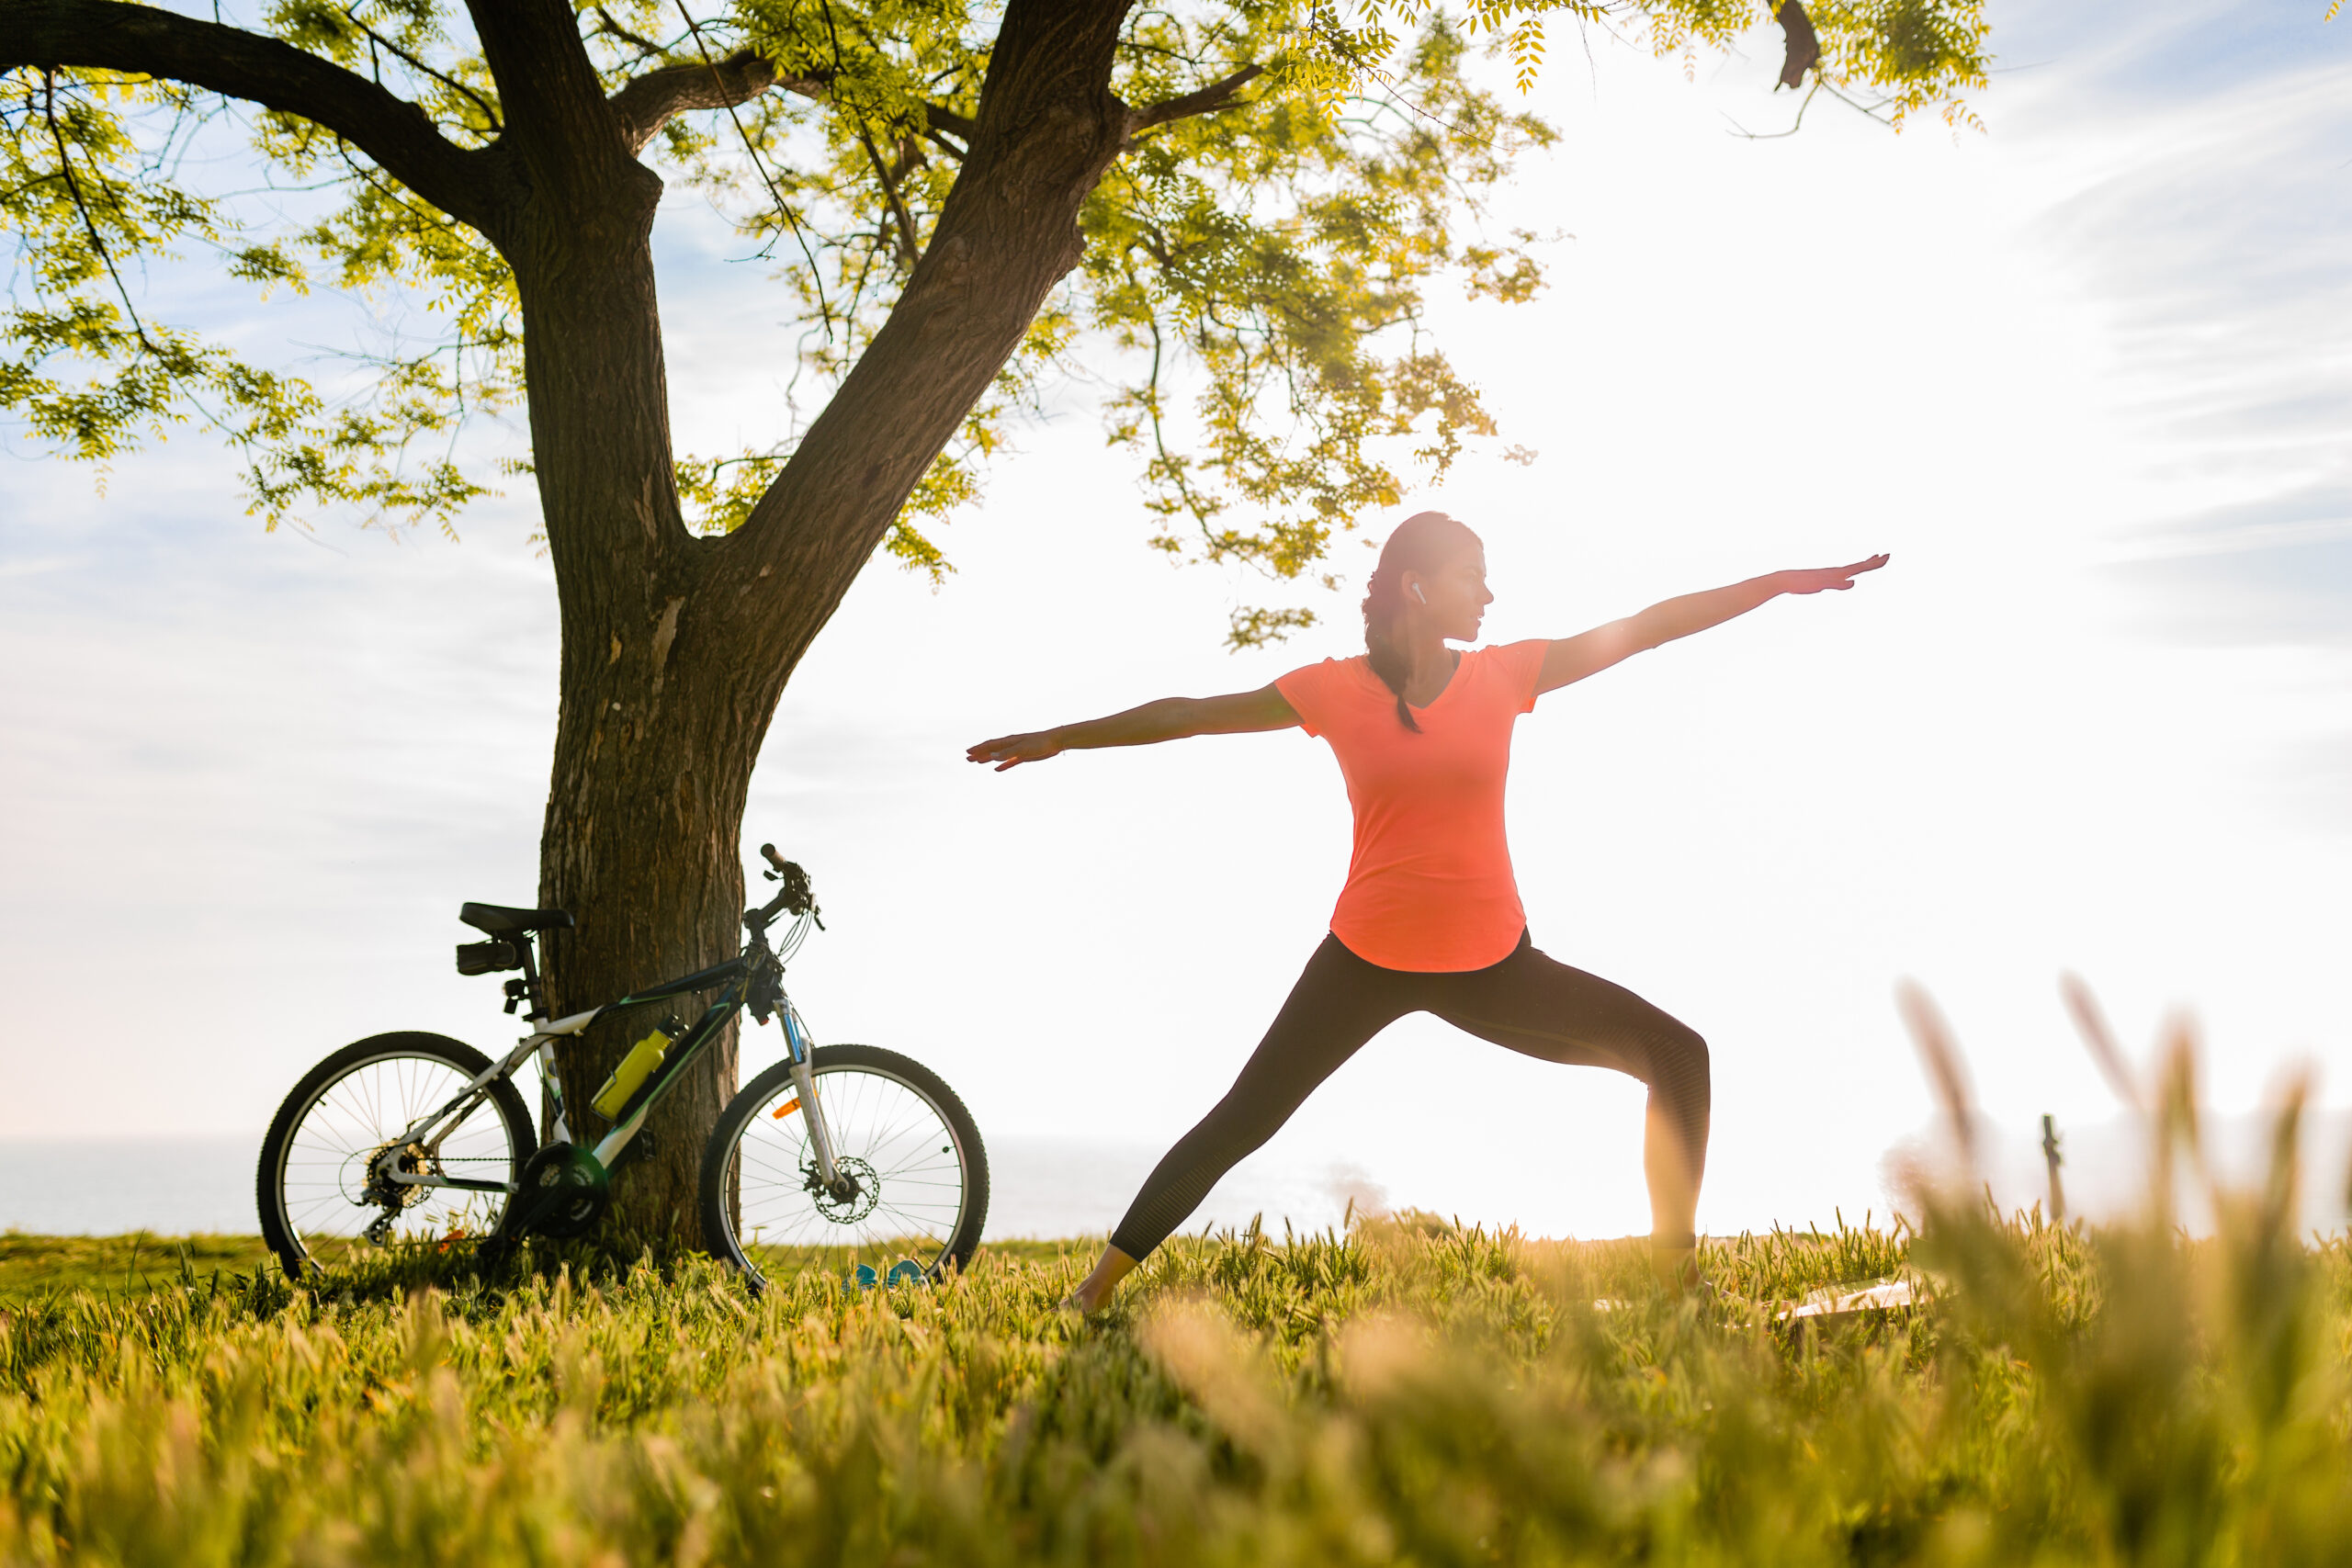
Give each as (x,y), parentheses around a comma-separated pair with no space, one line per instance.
(2086,375)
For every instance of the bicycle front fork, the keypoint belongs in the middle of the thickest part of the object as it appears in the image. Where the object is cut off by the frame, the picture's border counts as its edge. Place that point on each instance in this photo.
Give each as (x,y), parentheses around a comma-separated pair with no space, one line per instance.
(804,1082)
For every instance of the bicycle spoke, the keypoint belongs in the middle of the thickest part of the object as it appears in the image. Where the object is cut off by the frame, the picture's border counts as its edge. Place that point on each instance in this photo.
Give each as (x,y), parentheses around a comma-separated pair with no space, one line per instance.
(887,1137)
(322,1164)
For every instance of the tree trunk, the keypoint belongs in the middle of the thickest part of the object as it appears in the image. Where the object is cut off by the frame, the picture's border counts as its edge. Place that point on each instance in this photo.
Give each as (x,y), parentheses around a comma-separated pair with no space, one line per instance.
(677,648)
(655,737)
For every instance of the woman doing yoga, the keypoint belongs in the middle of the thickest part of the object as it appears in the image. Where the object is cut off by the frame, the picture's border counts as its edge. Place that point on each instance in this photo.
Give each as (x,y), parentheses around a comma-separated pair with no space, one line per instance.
(1429,920)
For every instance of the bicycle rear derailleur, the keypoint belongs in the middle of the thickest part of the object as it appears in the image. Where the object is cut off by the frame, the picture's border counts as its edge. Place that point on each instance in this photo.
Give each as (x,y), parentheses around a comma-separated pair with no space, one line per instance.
(389,1196)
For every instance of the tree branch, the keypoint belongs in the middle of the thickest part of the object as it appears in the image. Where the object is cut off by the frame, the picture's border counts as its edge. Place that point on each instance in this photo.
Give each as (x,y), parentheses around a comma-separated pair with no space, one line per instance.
(1803,50)
(559,125)
(646,48)
(1048,126)
(106,35)
(377,40)
(89,224)
(907,252)
(645,103)
(799,235)
(943,119)
(1207,100)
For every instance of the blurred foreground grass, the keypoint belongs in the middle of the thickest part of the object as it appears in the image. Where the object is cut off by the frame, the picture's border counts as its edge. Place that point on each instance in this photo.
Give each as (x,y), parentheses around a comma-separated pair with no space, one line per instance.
(1407,1391)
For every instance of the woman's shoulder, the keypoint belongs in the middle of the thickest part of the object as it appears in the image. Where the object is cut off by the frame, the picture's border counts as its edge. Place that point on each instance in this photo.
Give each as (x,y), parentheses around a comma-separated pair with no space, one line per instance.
(1338,667)
(1515,665)
(1508,655)
(1325,692)
(1508,652)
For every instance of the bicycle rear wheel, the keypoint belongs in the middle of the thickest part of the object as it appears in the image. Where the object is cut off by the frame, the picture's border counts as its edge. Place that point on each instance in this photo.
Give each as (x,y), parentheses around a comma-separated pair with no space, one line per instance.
(319,1203)
(897,1131)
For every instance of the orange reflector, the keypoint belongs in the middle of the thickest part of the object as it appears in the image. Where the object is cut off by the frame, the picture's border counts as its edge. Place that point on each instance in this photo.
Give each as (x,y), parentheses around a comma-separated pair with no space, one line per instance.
(787,1109)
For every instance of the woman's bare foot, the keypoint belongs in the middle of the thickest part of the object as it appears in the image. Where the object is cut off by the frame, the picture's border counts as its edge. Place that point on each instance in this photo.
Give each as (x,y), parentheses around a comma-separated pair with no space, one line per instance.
(1094,1292)
(1674,1262)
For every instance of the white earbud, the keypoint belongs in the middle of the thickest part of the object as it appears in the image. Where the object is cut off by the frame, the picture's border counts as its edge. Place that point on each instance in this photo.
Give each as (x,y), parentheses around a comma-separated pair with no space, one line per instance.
(1418,594)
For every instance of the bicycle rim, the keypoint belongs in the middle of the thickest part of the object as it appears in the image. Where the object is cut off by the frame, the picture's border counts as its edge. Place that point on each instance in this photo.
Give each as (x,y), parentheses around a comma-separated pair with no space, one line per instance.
(322,1164)
(888,1133)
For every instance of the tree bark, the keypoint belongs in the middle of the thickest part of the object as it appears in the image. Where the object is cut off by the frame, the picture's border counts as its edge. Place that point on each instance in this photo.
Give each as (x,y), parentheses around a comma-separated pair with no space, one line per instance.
(653,748)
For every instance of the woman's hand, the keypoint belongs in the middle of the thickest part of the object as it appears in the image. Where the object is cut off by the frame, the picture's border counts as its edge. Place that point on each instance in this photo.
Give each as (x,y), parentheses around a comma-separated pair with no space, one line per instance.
(1011,750)
(1819,578)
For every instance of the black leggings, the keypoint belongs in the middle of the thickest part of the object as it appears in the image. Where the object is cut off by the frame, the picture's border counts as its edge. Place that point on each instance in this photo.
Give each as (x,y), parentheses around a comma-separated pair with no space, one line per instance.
(1531,1003)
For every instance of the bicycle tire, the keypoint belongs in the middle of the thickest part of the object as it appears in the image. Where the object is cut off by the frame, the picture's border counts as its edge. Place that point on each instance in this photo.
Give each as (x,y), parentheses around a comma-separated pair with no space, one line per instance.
(871,1083)
(285,1230)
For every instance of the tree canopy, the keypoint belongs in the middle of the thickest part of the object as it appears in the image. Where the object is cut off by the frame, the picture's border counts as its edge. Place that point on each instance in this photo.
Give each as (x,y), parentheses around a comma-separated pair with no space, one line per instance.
(1249,302)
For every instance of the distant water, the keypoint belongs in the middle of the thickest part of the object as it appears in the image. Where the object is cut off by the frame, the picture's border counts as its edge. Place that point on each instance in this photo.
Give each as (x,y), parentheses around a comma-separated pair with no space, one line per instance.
(105,1185)
(1039,1187)
(1051,1188)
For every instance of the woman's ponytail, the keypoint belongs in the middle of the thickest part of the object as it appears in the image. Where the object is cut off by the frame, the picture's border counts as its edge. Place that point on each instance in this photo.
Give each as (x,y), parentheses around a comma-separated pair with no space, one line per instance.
(1422,543)
(1384,606)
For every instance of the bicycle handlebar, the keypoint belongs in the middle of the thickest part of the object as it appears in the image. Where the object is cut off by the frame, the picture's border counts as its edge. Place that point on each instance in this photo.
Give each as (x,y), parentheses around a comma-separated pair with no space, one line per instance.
(794,898)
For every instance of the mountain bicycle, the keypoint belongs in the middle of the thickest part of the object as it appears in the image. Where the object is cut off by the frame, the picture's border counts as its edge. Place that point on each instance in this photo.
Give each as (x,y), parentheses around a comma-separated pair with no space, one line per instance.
(419,1138)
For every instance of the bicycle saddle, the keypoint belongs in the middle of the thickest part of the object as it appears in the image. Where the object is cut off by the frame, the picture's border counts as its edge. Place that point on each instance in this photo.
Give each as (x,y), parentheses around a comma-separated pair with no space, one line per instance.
(497,918)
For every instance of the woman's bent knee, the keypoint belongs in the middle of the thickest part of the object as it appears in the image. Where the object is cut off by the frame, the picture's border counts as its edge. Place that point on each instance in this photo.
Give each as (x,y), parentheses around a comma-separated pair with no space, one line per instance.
(1680,1060)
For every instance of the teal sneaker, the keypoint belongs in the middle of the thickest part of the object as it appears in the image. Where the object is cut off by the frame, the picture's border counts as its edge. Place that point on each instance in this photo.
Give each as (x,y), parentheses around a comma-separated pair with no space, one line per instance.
(907,1272)
(862,1277)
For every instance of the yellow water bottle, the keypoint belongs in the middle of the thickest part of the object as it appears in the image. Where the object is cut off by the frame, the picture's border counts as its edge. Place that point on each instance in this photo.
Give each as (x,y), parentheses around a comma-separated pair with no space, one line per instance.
(635,1068)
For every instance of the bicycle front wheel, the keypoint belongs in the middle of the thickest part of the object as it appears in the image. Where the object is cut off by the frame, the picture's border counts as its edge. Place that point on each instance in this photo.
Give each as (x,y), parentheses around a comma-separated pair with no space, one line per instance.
(918,1179)
(319,1183)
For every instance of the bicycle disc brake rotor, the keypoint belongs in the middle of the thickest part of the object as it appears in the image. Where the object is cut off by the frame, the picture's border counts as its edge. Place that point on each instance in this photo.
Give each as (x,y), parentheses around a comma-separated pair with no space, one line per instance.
(848,1208)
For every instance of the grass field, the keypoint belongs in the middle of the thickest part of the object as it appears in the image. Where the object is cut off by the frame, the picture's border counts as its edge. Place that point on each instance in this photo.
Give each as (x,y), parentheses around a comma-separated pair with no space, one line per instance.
(32,1266)
(1406,1393)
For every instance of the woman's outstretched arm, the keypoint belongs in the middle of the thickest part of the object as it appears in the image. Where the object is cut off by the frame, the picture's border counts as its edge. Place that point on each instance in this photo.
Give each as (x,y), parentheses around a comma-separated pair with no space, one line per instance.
(1169,718)
(1572,658)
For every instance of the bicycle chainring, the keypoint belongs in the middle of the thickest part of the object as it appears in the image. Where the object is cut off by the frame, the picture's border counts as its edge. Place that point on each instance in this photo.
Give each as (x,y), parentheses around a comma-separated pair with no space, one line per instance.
(562,1193)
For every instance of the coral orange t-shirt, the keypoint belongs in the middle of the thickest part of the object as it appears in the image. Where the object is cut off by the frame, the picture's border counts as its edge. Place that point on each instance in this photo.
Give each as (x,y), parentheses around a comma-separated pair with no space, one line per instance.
(1429,886)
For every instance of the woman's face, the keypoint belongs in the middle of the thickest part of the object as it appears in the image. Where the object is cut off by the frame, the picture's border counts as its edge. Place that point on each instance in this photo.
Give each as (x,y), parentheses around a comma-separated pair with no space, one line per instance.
(1457,596)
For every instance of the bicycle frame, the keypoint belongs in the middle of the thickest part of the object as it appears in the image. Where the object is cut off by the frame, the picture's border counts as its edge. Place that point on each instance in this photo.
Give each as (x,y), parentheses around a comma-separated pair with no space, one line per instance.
(740,977)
